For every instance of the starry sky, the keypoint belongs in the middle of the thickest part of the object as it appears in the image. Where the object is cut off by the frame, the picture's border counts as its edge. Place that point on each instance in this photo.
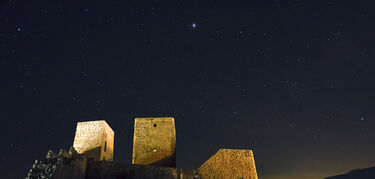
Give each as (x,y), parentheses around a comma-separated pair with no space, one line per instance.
(292,80)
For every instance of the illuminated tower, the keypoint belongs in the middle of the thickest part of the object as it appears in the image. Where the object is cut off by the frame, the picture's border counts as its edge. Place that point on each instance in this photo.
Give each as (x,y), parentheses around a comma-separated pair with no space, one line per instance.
(154,142)
(229,163)
(94,139)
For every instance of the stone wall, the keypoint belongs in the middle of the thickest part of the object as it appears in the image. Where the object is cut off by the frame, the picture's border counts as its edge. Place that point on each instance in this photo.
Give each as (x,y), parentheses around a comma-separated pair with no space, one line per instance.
(109,170)
(73,167)
(91,137)
(78,166)
(154,142)
(229,163)
(108,138)
(154,156)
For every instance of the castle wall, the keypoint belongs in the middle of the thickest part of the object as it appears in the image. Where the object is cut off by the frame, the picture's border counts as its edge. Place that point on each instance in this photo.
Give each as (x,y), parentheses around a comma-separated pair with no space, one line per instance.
(108,143)
(74,168)
(109,170)
(154,142)
(229,163)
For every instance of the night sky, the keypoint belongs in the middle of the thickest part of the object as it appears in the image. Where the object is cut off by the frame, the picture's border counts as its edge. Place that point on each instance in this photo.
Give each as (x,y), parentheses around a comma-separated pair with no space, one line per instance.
(292,80)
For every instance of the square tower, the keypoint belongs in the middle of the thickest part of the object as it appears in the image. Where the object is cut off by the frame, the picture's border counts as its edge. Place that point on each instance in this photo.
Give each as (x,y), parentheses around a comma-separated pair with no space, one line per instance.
(154,142)
(94,139)
(229,163)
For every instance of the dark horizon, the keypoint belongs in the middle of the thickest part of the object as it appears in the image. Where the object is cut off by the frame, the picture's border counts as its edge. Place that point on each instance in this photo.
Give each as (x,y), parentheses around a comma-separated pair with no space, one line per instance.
(293,81)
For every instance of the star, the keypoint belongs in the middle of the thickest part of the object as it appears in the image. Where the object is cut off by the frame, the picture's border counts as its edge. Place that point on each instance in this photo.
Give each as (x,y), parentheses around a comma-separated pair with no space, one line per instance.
(194,25)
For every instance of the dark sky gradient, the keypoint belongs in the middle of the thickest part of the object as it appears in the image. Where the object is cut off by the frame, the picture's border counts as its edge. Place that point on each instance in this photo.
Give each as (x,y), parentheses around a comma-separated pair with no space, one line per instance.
(292,80)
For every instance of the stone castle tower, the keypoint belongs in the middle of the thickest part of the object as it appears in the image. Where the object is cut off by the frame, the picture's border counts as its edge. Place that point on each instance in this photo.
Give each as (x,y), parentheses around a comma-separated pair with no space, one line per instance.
(94,139)
(154,142)
(229,163)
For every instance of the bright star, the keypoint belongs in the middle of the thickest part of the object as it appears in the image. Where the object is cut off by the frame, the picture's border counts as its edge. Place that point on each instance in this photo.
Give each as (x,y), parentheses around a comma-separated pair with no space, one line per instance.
(194,25)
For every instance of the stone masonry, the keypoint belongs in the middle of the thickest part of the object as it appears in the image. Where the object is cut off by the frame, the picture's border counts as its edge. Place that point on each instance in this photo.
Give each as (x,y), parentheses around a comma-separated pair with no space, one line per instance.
(94,139)
(229,163)
(154,156)
(154,142)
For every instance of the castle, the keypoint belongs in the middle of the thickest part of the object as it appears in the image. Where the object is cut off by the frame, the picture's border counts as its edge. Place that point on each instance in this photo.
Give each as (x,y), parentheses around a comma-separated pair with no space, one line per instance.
(154,155)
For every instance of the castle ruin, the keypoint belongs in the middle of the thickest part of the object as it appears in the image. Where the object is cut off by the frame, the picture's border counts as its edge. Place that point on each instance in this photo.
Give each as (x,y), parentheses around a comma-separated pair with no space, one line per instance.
(154,156)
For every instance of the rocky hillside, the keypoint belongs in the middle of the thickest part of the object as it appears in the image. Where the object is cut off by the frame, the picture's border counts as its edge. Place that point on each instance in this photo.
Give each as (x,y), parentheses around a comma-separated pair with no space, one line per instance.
(366,173)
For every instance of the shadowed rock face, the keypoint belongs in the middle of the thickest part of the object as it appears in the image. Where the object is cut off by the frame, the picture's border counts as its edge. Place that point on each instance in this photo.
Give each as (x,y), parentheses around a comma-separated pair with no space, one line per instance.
(367,173)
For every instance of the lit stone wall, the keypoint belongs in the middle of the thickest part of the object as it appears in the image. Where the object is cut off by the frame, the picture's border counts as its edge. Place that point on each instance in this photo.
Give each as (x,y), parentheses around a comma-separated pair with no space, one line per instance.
(90,139)
(154,142)
(109,138)
(229,163)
